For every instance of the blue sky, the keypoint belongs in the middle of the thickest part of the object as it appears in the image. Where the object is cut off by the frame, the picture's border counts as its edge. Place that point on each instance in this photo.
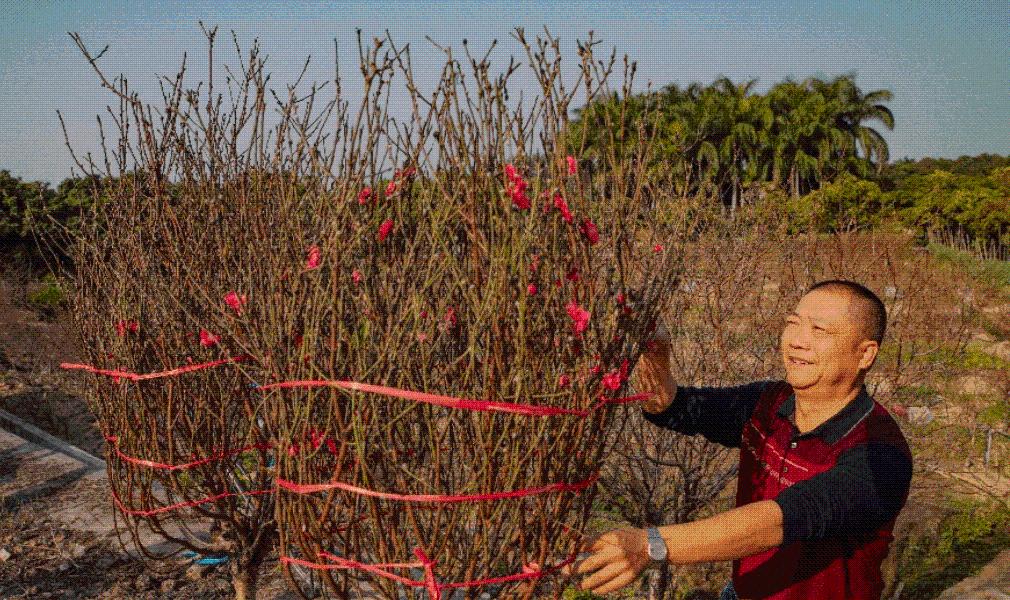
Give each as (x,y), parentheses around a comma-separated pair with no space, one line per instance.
(948,63)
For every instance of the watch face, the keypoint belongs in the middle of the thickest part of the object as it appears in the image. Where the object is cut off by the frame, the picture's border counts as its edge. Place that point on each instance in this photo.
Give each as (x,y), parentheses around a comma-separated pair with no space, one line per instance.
(657,547)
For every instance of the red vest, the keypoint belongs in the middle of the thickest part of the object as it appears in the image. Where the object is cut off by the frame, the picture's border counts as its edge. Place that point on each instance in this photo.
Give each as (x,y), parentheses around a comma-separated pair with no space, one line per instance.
(833,568)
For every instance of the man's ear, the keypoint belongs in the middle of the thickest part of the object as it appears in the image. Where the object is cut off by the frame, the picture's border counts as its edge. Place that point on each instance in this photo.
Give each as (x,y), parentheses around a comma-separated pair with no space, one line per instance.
(868,350)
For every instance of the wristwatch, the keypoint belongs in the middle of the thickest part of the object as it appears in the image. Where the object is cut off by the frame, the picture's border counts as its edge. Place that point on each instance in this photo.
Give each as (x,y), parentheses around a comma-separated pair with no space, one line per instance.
(657,547)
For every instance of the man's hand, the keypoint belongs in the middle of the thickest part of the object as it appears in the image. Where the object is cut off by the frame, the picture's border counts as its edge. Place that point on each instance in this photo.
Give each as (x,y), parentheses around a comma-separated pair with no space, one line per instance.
(617,559)
(652,374)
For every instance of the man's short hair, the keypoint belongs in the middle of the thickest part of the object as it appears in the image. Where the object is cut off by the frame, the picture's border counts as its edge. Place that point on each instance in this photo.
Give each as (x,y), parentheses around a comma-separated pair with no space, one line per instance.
(869,310)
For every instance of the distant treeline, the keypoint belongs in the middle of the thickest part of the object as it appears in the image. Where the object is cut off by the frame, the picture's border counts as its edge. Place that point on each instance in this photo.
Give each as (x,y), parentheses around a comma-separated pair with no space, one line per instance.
(811,145)
(724,138)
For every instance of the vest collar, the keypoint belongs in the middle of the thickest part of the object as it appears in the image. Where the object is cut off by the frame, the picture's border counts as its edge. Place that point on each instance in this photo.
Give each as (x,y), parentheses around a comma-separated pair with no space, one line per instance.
(839,425)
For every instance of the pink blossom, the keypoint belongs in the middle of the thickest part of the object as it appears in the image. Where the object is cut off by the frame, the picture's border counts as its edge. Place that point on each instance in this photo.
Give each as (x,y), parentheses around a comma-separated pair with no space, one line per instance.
(314,259)
(595,370)
(208,339)
(123,326)
(612,381)
(562,205)
(571,164)
(364,195)
(391,188)
(235,302)
(424,314)
(385,228)
(516,188)
(422,337)
(564,380)
(356,276)
(450,317)
(536,263)
(532,289)
(579,316)
(589,230)
(657,248)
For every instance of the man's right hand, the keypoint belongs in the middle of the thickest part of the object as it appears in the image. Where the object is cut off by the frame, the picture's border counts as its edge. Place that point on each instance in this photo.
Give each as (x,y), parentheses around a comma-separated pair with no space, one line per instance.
(652,374)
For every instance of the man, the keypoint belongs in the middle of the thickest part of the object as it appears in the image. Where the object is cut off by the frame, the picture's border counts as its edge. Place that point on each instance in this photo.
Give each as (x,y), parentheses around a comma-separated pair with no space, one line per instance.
(824,469)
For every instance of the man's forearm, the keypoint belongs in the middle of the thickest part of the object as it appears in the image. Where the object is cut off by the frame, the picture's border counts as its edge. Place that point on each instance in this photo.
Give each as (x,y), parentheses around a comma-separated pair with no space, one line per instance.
(736,533)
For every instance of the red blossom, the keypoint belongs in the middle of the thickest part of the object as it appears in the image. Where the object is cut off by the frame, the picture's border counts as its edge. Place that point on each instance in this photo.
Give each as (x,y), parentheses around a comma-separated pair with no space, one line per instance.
(331,445)
(612,381)
(562,205)
(364,195)
(595,370)
(579,316)
(589,230)
(536,263)
(356,276)
(516,188)
(450,317)
(422,337)
(123,326)
(385,228)
(572,275)
(657,248)
(315,258)
(208,339)
(532,289)
(571,164)
(235,302)
(620,298)
(564,380)
(391,188)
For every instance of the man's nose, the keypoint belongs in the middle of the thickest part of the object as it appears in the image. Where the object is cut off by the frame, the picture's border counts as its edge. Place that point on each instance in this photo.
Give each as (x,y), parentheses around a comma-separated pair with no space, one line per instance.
(798,340)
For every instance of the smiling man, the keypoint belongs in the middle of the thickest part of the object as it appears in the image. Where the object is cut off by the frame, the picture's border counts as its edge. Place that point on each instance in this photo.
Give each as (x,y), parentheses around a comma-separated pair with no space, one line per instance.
(824,469)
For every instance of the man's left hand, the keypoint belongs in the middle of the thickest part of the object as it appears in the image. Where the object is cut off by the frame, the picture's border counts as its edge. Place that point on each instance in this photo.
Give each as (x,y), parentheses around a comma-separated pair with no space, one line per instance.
(618,557)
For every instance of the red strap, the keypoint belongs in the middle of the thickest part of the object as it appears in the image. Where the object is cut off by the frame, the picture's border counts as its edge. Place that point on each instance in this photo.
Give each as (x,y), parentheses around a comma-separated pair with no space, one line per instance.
(180,467)
(436,498)
(142,377)
(451,402)
(191,503)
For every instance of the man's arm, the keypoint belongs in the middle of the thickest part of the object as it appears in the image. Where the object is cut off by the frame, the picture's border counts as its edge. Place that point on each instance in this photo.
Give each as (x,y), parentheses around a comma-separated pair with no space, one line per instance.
(739,532)
(866,488)
(717,413)
(621,555)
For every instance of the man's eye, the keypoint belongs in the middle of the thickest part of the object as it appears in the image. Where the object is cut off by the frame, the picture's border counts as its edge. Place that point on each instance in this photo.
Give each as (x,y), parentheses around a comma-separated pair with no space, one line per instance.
(819,328)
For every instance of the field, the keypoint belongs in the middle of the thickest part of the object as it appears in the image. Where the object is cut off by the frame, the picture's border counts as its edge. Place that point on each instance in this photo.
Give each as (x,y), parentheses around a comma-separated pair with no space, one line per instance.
(942,372)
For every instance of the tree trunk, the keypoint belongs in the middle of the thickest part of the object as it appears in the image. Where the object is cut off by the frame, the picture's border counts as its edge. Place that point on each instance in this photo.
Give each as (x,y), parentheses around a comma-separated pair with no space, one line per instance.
(244,583)
(795,181)
(659,582)
(733,202)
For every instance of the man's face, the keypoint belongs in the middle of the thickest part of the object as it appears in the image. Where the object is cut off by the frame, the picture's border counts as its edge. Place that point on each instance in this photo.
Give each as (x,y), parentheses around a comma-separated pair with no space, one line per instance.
(822,345)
